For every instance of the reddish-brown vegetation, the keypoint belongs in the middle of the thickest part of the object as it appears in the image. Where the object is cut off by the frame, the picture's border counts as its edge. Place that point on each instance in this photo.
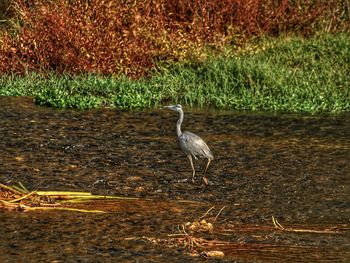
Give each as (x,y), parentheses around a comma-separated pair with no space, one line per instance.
(129,37)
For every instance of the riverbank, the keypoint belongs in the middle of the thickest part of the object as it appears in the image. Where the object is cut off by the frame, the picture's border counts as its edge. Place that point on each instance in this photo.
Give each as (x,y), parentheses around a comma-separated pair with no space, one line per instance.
(290,74)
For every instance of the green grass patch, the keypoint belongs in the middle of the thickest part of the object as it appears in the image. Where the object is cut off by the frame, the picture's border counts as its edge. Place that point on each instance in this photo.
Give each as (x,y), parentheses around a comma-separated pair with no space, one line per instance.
(286,74)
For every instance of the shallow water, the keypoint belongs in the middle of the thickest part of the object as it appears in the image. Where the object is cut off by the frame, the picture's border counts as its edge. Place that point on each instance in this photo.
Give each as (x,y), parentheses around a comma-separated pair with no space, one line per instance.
(291,166)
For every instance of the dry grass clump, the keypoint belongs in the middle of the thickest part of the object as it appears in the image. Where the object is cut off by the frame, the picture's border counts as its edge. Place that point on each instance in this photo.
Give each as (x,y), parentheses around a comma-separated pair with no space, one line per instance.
(18,198)
(130,37)
(198,238)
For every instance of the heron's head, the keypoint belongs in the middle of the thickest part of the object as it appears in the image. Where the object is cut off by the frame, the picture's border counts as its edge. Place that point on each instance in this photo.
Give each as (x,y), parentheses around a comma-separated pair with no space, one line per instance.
(176,107)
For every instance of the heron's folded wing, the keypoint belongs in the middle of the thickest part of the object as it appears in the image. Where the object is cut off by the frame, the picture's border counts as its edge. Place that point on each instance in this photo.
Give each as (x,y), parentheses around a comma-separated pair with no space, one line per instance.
(195,146)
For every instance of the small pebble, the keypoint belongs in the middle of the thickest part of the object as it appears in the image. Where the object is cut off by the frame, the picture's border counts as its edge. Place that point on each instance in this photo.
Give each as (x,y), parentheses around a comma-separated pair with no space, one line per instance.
(215,254)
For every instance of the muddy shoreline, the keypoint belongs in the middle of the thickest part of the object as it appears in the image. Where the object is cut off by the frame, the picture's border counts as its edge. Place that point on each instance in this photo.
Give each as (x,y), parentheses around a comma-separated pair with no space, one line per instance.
(293,167)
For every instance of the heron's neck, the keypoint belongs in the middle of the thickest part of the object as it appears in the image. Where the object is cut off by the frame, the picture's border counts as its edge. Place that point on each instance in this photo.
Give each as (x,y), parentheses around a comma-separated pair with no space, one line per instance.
(179,122)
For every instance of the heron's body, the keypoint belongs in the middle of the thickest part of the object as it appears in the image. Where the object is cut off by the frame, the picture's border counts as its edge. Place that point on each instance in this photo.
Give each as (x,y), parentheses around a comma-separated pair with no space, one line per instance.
(191,144)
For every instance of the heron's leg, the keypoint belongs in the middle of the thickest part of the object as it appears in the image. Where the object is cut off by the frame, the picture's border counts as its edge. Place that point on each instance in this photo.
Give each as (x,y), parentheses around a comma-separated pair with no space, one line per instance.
(206,168)
(193,170)
(206,181)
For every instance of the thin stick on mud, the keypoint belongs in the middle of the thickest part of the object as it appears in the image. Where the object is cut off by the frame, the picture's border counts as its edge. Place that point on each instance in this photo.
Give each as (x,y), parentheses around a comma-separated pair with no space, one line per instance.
(25,190)
(63,209)
(205,214)
(219,213)
(324,231)
(22,197)
(11,189)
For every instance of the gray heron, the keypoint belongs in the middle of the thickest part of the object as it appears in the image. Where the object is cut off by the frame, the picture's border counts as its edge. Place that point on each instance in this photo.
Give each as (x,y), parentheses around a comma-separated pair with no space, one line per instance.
(191,144)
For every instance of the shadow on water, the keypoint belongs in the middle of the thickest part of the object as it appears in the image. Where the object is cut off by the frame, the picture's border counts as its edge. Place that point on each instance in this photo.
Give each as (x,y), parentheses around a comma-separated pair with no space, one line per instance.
(293,167)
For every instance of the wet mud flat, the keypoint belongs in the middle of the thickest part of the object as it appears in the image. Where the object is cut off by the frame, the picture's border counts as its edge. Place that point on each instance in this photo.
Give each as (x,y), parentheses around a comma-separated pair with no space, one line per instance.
(292,167)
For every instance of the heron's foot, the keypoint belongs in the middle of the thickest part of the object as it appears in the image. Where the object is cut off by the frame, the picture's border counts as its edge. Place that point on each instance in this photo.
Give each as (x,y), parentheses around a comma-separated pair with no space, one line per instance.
(205,180)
